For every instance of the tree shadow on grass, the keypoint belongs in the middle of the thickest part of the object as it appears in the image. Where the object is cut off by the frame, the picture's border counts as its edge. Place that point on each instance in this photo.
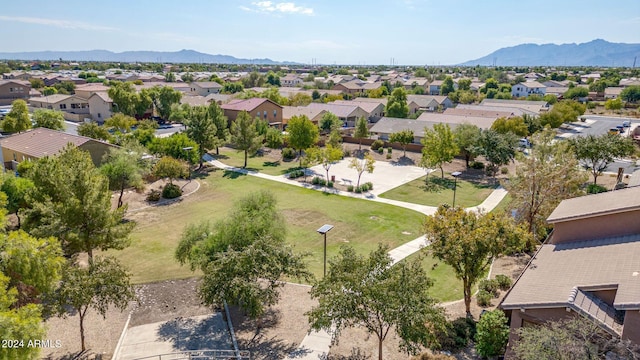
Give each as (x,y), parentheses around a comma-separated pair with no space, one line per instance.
(271,163)
(229,174)
(402,161)
(437,184)
(195,334)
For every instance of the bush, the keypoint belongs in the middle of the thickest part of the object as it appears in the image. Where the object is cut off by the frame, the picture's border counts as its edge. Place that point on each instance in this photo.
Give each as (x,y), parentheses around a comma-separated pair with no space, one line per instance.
(490,286)
(504,170)
(377,145)
(458,334)
(350,188)
(381,151)
(595,189)
(288,154)
(154,195)
(492,333)
(330,184)
(171,191)
(369,185)
(346,153)
(430,356)
(388,156)
(477,165)
(358,190)
(504,282)
(295,174)
(318,181)
(483,298)
(389,150)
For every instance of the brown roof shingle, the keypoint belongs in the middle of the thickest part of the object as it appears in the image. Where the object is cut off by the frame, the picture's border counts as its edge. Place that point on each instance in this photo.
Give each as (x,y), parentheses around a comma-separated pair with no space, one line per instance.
(41,142)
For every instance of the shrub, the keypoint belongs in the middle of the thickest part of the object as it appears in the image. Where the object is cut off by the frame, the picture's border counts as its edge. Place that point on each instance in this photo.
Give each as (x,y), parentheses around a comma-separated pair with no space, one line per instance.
(381,151)
(171,191)
(389,150)
(296,174)
(490,286)
(369,185)
(346,153)
(595,189)
(350,188)
(358,190)
(330,184)
(430,356)
(504,282)
(477,165)
(504,170)
(288,154)
(377,145)
(458,334)
(492,333)
(388,156)
(318,181)
(484,298)
(154,195)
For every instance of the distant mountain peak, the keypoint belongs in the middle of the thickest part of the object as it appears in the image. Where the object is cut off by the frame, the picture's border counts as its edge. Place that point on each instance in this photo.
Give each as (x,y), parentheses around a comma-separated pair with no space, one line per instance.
(597,52)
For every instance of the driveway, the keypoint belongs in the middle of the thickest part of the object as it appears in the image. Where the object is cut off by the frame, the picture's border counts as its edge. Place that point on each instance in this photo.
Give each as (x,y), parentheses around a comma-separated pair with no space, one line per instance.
(385,176)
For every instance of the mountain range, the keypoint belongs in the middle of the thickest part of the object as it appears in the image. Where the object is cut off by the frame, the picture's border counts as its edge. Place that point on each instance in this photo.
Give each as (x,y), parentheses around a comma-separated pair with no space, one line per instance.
(182,56)
(594,53)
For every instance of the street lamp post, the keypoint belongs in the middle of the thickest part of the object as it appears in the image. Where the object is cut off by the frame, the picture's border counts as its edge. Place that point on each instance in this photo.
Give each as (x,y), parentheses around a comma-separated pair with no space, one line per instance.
(186,150)
(455,175)
(323,231)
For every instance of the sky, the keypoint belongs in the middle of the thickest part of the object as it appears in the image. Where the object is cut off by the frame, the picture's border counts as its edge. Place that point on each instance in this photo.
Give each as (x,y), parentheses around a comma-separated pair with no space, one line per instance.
(368,32)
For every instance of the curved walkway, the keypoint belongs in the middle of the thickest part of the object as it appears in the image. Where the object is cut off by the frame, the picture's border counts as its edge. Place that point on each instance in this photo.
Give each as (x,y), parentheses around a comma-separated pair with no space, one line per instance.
(316,344)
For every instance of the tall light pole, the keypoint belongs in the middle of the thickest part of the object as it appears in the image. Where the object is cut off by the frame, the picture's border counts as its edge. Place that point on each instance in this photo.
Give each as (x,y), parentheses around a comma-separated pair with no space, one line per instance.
(455,175)
(186,150)
(323,231)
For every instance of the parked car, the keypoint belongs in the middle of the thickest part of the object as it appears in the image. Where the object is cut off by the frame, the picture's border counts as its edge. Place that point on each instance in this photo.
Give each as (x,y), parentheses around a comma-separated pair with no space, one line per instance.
(620,129)
(614,131)
(524,143)
(626,123)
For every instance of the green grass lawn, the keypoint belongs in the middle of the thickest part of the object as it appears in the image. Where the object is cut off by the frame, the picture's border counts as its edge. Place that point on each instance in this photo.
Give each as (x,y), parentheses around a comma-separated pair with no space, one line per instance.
(263,164)
(438,192)
(359,223)
(505,204)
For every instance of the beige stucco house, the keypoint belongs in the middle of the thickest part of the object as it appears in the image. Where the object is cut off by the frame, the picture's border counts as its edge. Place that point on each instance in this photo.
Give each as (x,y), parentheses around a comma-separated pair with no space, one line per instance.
(11,90)
(74,108)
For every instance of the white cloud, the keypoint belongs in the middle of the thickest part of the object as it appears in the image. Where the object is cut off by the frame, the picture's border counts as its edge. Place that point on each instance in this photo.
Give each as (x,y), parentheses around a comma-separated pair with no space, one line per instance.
(275,8)
(65,24)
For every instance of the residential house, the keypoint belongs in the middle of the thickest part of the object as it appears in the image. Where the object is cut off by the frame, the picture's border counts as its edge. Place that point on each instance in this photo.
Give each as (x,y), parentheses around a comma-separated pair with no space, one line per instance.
(434,87)
(629,82)
(313,114)
(353,87)
(204,88)
(74,108)
(588,266)
(219,98)
(11,90)
(557,91)
(454,120)
(291,80)
(100,106)
(388,125)
(257,107)
(16,75)
(412,83)
(430,102)
(532,106)
(348,113)
(483,108)
(480,112)
(374,110)
(612,92)
(41,142)
(85,91)
(527,88)
(194,100)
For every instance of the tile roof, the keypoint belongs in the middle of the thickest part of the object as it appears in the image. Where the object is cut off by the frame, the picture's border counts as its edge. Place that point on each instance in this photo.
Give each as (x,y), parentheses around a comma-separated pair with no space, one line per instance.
(488,113)
(208,84)
(341,111)
(102,95)
(41,142)
(367,106)
(382,101)
(388,125)
(555,270)
(596,205)
(514,110)
(51,99)
(481,122)
(290,111)
(246,105)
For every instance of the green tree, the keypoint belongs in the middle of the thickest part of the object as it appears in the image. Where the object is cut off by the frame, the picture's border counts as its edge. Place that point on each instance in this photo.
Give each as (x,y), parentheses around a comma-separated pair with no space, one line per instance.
(613,104)
(170,168)
(162,99)
(542,180)
(232,88)
(397,104)
(16,189)
(439,146)
(17,120)
(273,79)
(178,146)
(335,139)
(124,167)
(120,123)
(447,86)
(274,138)
(222,125)
(300,99)
(576,93)
(373,294)
(19,323)
(244,135)
(202,130)
(170,77)
(326,156)
(464,84)
(595,153)
(243,257)
(514,125)
(492,333)
(94,131)
(361,131)
(497,148)
(468,242)
(360,166)
(302,134)
(36,83)
(568,339)
(101,285)
(404,138)
(187,77)
(49,90)
(50,119)
(72,202)
(124,97)
(563,112)
(467,138)
(631,93)
(329,122)
(254,79)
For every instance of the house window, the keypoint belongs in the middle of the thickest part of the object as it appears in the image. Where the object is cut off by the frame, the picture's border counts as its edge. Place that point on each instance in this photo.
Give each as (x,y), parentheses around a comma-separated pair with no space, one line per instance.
(63,106)
(275,113)
(265,114)
(99,115)
(15,158)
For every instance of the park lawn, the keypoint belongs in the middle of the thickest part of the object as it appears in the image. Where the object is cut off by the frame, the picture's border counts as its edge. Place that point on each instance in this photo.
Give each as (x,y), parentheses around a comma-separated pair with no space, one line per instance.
(504,205)
(359,224)
(467,194)
(263,164)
